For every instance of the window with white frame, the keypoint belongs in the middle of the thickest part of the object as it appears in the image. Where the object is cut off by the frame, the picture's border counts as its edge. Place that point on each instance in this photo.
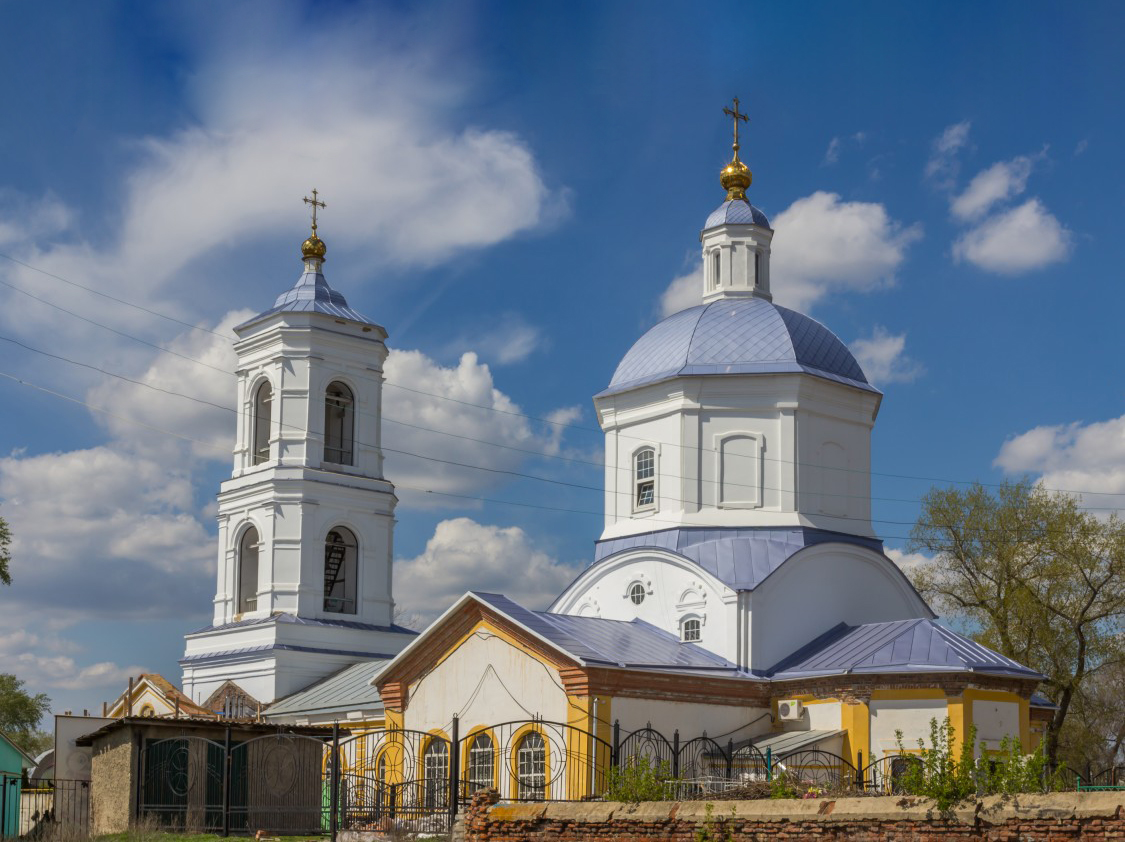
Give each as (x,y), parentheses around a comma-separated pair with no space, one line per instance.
(531,767)
(260,432)
(691,630)
(435,771)
(644,479)
(716,268)
(340,552)
(481,763)
(637,593)
(247,586)
(339,423)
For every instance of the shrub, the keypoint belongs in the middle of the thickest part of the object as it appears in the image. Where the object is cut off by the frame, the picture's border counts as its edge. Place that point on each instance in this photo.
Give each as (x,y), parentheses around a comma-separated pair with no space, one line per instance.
(641,779)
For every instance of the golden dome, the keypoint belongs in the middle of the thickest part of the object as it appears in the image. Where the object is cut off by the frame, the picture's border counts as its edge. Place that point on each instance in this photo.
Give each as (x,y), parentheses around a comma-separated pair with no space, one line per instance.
(313,247)
(735,178)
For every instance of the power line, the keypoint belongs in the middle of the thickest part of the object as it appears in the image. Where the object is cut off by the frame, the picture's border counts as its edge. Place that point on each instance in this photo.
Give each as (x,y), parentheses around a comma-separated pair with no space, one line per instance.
(519,474)
(562,424)
(336,475)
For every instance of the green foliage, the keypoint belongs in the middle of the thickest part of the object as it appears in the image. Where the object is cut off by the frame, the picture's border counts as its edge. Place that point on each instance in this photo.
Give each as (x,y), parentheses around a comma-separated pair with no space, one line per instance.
(1044,582)
(20,712)
(782,787)
(939,772)
(641,779)
(949,775)
(5,555)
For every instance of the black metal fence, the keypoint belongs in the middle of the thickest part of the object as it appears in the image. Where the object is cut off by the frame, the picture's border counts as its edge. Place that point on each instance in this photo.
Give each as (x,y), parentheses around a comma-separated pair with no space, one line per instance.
(31,809)
(397,779)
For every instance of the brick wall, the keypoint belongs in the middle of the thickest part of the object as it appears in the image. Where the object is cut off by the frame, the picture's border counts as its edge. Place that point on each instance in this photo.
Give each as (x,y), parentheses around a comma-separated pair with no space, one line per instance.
(1030,818)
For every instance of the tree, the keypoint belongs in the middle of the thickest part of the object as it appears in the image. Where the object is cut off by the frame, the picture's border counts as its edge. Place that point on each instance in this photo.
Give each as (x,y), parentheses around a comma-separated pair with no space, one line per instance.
(1039,578)
(20,712)
(5,556)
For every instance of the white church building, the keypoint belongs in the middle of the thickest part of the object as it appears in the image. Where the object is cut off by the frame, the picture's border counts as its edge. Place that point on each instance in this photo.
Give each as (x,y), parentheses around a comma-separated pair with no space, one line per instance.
(737,586)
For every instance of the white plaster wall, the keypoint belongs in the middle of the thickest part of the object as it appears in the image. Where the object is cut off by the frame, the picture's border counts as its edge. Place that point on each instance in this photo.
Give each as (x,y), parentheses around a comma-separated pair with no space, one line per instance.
(911,716)
(485,681)
(994,721)
(818,588)
(721,722)
(834,465)
(675,589)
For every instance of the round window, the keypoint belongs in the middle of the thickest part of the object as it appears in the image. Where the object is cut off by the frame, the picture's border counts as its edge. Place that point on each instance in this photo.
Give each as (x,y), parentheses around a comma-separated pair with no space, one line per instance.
(637,593)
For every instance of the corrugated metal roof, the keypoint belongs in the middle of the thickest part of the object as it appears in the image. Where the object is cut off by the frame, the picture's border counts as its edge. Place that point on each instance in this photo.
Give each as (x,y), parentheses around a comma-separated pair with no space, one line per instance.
(899,646)
(347,689)
(737,336)
(739,557)
(786,742)
(736,212)
(204,657)
(592,640)
(312,294)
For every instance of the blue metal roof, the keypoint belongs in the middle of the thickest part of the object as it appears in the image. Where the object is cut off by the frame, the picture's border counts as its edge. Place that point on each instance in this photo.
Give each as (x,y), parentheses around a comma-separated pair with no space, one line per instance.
(344,690)
(920,645)
(311,294)
(736,212)
(739,557)
(737,336)
(617,643)
(304,621)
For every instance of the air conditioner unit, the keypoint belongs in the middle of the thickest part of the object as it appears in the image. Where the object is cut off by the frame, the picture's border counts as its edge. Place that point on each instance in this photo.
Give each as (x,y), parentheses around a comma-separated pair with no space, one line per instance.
(789,710)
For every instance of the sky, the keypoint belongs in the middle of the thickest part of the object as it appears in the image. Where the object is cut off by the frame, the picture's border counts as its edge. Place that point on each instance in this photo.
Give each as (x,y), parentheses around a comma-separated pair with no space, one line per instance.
(515,190)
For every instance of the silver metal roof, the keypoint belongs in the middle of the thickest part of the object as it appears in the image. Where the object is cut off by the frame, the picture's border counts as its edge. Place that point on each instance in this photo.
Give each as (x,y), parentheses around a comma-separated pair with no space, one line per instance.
(617,643)
(304,621)
(736,212)
(737,336)
(739,557)
(899,646)
(348,689)
(787,742)
(311,294)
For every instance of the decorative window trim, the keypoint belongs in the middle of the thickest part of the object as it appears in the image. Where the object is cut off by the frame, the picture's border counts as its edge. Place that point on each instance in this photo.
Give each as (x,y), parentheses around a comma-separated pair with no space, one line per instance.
(636,482)
(639,580)
(240,537)
(753,491)
(345,453)
(516,743)
(354,570)
(698,621)
(434,788)
(466,761)
(261,451)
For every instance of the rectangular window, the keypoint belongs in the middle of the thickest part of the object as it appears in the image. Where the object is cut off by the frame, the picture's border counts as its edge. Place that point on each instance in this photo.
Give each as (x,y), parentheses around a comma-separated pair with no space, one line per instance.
(644,473)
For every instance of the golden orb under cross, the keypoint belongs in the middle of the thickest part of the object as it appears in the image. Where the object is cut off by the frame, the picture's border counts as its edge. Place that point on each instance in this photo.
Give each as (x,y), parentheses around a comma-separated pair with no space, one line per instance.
(736,176)
(314,246)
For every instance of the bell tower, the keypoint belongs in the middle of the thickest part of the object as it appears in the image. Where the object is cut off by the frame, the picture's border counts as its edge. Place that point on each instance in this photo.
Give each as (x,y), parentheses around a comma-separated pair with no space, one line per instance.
(306,520)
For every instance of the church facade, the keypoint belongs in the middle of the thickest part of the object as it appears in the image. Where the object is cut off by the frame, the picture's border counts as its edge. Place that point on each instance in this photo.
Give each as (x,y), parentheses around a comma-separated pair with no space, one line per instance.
(738,588)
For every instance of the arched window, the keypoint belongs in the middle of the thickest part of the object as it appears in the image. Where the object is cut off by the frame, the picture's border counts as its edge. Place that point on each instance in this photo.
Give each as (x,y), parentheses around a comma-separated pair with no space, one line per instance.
(340,553)
(435,773)
(339,424)
(263,400)
(247,571)
(381,799)
(691,630)
(644,479)
(481,763)
(717,271)
(531,767)
(637,593)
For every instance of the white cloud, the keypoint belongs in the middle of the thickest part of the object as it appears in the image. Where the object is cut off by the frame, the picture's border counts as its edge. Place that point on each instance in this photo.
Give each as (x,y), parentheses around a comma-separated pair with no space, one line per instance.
(907,562)
(824,244)
(1022,239)
(101,533)
(508,339)
(464,555)
(472,409)
(832,153)
(684,291)
(883,358)
(942,168)
(1081,147)
(1000,182)
(24,219)
(1071,457)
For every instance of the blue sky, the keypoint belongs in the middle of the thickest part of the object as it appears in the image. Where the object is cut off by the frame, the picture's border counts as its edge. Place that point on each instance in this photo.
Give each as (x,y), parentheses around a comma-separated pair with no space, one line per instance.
(514,190)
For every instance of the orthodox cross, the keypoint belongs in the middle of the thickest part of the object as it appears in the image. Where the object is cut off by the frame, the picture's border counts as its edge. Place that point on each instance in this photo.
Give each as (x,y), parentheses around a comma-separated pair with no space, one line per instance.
(315,204)
(734,115)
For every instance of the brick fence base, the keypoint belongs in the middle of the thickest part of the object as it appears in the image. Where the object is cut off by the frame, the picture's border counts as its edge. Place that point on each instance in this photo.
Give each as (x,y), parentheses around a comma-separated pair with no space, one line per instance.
(1034,818)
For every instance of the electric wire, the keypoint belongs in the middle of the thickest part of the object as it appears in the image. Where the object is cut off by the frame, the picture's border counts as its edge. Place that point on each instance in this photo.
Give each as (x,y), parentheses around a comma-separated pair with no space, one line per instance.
(404,486)
(563,424)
